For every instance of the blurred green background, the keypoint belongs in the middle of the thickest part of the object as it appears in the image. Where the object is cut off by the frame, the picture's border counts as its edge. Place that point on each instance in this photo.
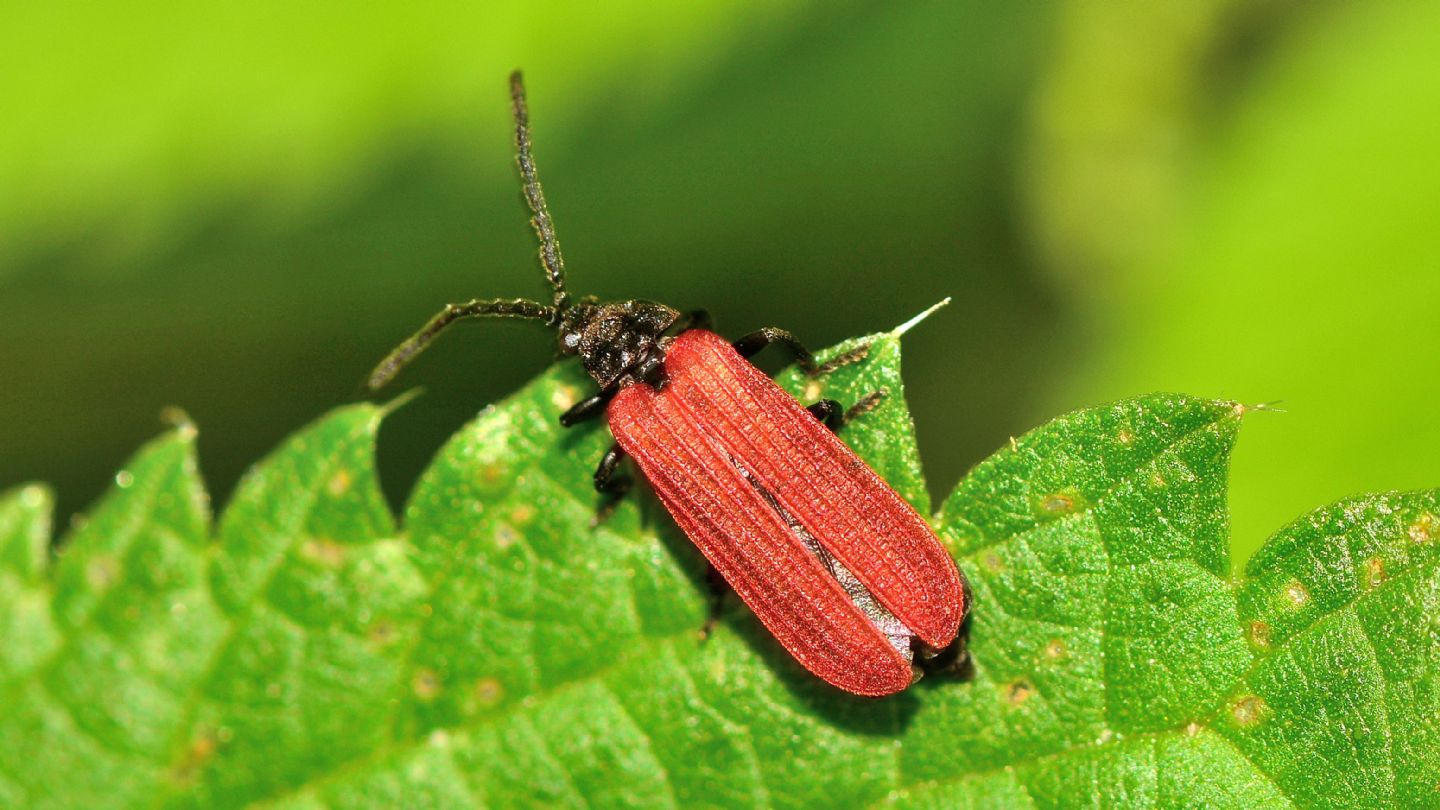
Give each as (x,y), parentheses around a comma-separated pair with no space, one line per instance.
(236,209)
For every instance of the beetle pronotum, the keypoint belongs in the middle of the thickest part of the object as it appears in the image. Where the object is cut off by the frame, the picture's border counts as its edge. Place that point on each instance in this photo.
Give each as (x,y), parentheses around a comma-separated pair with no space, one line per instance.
(842,571)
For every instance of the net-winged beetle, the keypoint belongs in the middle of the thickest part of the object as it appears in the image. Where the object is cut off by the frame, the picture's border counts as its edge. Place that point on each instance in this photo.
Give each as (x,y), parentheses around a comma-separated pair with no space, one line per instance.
(847,576)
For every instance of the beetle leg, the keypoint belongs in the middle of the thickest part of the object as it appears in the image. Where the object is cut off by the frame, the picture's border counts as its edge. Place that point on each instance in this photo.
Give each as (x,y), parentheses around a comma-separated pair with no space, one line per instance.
(694,319)
(955,660)
(589,407)
(835,416)
(865,404)
(751,344)
(830,412)
(719,590)
(609,483)
(843,359)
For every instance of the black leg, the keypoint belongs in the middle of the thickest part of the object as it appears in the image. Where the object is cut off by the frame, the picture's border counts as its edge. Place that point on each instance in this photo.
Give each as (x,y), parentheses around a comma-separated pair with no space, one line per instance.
(751,344)
(650,371)
(954,661)
(589,407)
(694,319)
(836,416)
(830,412)
(719,590)
(610,483)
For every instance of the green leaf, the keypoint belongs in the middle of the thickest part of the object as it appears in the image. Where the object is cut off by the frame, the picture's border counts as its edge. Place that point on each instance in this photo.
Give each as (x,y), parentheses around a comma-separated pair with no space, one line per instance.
(499,651)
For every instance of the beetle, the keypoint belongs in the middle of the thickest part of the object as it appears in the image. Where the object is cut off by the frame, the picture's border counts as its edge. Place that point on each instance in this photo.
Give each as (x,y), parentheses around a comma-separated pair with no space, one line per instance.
(846,575)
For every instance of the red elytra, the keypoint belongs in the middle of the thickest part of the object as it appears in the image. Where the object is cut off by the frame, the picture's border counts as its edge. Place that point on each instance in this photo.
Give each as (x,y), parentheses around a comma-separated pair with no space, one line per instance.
(845,574)
(747,473)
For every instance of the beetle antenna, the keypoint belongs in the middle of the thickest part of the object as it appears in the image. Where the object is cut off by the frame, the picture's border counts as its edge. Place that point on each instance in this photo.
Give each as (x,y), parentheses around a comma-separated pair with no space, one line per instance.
(544,226)
(416,343)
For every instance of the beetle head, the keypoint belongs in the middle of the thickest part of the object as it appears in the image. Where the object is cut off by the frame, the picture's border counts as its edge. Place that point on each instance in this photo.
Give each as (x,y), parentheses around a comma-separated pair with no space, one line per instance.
(612,339)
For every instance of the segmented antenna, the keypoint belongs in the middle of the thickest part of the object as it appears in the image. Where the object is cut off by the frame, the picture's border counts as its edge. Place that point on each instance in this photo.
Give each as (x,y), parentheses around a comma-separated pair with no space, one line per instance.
(544,226)
(418,342)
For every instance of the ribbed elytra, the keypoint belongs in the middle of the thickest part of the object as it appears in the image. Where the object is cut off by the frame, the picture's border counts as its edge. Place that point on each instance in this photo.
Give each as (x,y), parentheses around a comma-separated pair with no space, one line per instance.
(845,574)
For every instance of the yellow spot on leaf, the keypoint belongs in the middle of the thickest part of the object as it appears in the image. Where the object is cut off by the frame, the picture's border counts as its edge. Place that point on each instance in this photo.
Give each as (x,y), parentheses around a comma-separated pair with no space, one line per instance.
(1260,634)
(1297,594)
(488,692)
(564,397)
(1249,710)
(1057,503)
(193,758)
(1374,572)
(522,514)
(1424,529)
(1126,437)
(1055,650)
(1018,691)
(339,482)
(102,572)
(505,536)
(324,551)
(382,632)
(992,562)
(426,684)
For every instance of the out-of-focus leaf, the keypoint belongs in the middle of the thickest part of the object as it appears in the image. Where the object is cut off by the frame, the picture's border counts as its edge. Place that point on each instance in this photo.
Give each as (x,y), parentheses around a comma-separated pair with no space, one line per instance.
(1300,241)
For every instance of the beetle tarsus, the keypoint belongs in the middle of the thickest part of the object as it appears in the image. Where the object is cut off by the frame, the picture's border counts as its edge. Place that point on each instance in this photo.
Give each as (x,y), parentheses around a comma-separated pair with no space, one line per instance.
(830,412)
(719,591)
(843,359)
(836,416)
(751,344)
(952,662)
(610,483)
(864,405)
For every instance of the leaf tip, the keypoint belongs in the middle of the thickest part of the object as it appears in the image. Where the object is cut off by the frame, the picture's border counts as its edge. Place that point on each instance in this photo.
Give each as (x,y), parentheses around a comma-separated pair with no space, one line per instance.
(400,401)
(915,321)
(1242,408)
(179,421)
(33,496)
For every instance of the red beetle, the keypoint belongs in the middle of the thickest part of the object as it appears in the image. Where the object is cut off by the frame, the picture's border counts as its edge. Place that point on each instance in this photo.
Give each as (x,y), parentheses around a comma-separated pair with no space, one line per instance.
(846,575)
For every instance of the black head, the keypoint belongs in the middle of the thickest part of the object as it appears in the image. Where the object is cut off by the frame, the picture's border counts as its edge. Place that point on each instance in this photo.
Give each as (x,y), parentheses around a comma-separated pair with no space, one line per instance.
(616,339)
(619,342)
